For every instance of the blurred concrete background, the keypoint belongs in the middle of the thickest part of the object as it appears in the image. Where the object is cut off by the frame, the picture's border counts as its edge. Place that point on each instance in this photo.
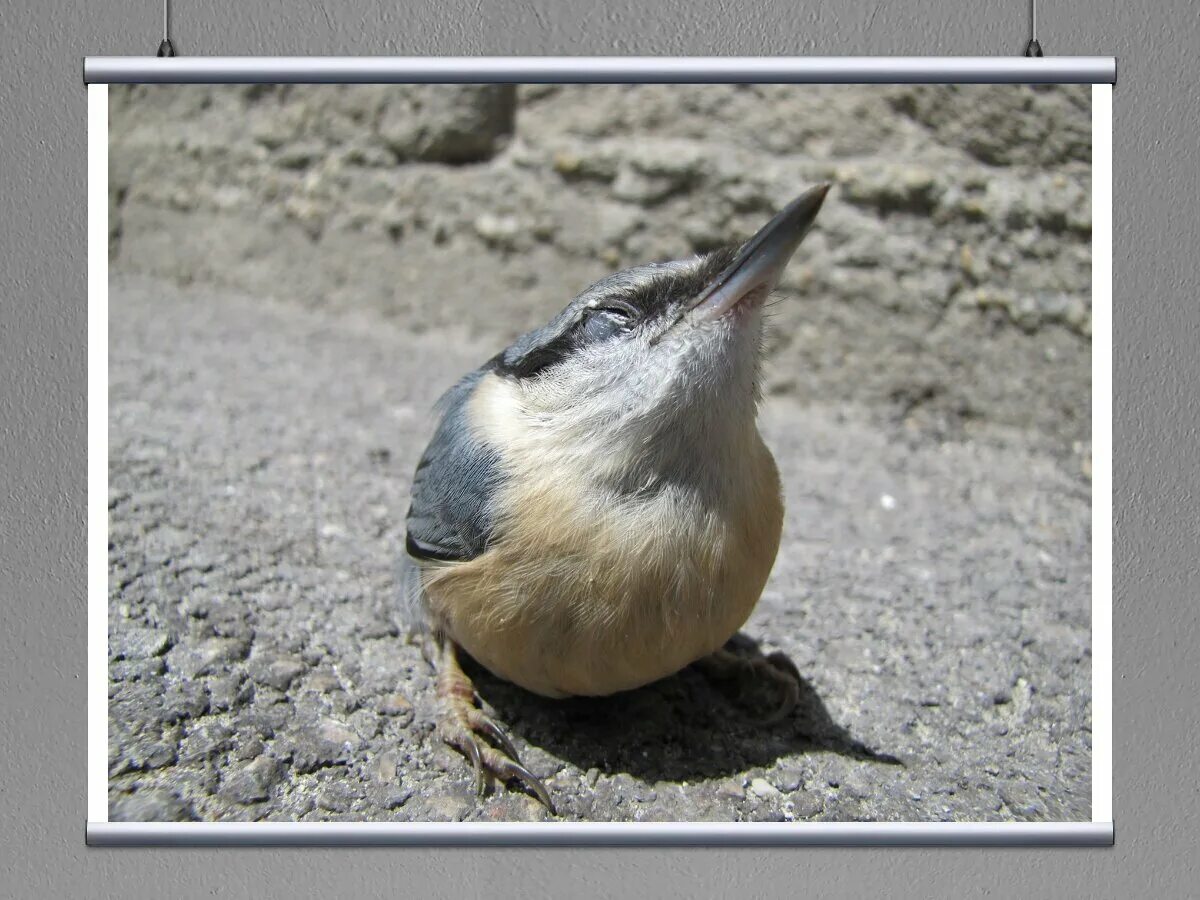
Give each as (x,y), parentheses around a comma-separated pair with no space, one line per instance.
(947,282)
(299,272)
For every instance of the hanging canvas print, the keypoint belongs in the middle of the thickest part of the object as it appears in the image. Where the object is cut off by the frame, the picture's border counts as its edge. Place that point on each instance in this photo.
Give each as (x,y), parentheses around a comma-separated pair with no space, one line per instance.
(550,461)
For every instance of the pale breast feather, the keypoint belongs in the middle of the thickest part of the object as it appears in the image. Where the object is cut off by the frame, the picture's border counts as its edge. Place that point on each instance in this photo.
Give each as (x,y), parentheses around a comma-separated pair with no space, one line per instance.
(584,591)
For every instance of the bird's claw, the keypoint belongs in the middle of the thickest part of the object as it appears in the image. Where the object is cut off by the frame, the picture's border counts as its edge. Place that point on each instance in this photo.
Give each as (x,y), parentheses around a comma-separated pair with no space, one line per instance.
(460,728)
(461,724)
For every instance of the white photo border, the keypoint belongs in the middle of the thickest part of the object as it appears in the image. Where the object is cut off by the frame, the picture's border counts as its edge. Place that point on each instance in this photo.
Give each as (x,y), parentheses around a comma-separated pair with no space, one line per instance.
(1098,832)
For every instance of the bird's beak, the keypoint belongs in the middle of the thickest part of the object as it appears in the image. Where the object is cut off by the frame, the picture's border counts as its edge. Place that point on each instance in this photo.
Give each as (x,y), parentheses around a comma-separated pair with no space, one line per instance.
(762,259)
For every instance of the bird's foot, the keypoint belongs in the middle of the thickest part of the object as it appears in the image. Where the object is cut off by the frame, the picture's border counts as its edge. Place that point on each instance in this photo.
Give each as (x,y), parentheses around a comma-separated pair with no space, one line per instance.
(462,723)
(747,674)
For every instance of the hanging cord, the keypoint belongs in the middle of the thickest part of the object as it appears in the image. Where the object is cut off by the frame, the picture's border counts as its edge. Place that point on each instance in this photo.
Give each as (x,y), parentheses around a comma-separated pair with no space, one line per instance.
(1033,48)
(166,48)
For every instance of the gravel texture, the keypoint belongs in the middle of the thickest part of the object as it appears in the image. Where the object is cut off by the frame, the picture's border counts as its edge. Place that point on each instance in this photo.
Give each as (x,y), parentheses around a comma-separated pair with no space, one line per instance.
(933,591)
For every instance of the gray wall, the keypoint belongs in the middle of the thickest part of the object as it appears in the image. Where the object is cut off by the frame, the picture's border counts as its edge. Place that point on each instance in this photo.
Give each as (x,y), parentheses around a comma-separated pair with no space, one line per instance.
(43,414)
(948,285)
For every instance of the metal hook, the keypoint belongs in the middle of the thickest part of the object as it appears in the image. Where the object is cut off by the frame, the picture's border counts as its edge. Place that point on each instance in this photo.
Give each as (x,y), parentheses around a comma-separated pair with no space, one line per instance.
(166,48)
(1033,48)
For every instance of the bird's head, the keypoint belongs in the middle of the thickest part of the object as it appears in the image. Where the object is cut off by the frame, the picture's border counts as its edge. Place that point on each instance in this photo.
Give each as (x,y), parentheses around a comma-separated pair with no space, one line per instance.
(657,357)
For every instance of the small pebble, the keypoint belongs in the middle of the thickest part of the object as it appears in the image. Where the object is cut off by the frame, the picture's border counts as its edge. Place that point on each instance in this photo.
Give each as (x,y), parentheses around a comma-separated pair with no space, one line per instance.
(279,672)
(805,806)
(385,766)
(730,790)
(151,805)
(252,783)
(395,705)
(337,796)
(763,789)
(788,780)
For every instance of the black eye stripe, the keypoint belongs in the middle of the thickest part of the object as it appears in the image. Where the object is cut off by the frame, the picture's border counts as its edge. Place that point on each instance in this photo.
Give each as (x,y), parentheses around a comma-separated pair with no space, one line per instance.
(597,324)
(612,306)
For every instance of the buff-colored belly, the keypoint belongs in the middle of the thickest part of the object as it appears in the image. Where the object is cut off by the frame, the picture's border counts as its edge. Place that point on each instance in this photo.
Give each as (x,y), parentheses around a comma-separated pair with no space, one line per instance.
(590,601)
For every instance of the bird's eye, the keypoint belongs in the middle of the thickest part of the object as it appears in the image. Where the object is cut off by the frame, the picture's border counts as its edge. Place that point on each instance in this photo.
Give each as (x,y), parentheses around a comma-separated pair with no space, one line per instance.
(602,322)
(617,309)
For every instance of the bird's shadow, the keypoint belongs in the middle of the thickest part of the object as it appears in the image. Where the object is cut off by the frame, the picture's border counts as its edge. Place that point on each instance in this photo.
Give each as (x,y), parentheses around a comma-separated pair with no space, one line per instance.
(682,728)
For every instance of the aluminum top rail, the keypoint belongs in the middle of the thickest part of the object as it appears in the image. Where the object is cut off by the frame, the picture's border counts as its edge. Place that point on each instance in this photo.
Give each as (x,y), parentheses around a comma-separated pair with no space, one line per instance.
(600,69)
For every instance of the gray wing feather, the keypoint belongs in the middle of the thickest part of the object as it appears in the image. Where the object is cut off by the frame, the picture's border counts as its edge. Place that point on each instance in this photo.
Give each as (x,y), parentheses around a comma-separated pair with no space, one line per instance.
(450,516)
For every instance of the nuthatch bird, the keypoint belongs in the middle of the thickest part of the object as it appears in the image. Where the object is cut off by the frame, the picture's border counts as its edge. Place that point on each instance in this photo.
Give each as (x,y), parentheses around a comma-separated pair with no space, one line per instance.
(597,509)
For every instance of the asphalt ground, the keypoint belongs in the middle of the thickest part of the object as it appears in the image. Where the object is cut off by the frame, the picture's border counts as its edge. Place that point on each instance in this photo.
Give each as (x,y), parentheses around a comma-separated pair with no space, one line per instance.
(934,594)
